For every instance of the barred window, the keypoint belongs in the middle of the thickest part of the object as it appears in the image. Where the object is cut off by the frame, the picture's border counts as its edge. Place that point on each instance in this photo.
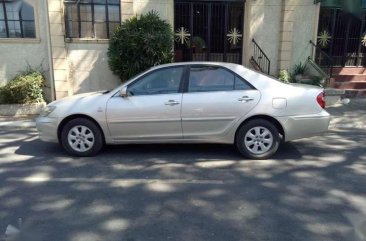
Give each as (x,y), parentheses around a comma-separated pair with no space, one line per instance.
(92,18)
(16,19)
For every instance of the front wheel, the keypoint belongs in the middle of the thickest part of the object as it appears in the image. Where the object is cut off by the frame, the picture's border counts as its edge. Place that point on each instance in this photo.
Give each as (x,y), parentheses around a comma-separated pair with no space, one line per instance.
(258,139)
(81,137)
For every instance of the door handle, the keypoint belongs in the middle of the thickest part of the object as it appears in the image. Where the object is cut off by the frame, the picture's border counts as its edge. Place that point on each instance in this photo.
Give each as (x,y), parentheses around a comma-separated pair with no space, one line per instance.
(172,103)
(245,99)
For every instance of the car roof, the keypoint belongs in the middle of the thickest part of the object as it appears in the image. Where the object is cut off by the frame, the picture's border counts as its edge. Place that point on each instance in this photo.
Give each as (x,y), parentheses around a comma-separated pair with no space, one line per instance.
(227,65)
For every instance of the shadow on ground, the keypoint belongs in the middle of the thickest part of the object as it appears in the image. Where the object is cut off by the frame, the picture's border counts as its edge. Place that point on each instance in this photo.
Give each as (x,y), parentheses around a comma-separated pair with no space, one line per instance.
(311,190)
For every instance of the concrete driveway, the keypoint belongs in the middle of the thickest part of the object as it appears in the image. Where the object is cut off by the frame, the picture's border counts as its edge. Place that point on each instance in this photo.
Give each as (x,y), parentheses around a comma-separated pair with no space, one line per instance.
(313,189)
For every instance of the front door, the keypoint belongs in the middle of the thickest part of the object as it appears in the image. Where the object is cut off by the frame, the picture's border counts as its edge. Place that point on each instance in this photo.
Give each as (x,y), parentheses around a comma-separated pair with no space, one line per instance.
(343,37)
(151,110)
(209,31)
(215,100)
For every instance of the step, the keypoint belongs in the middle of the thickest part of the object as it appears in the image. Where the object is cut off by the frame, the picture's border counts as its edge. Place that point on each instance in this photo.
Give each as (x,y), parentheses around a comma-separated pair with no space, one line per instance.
(348,70)
(333,92)
(355,85)
(355,93)
(349,78)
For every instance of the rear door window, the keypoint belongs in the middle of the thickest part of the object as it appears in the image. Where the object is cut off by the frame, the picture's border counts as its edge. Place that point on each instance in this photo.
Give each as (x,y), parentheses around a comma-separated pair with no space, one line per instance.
(214,78)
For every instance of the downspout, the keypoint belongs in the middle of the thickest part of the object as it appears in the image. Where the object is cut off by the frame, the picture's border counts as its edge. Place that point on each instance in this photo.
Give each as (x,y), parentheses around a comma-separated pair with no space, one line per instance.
(50,62)
(248,35)
(316,28)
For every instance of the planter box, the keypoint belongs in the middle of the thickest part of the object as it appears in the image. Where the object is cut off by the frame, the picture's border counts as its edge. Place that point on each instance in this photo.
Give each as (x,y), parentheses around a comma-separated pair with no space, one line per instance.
(333,96)
(21,109)
(305,81)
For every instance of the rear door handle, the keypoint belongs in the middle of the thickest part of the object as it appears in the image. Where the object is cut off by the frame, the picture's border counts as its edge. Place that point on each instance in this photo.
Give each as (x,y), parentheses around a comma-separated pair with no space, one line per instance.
(245,99)
(172,103)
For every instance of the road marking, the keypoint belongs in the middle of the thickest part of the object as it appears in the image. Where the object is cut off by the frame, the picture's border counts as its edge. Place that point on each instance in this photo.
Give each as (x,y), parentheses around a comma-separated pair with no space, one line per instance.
(117,180)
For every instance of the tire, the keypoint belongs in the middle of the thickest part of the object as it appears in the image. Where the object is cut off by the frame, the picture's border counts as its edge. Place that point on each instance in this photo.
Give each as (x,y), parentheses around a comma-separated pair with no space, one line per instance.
(81,137)
(258,139)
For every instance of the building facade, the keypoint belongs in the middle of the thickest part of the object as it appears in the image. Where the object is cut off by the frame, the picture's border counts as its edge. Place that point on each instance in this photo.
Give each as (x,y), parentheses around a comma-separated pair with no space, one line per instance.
(69,38)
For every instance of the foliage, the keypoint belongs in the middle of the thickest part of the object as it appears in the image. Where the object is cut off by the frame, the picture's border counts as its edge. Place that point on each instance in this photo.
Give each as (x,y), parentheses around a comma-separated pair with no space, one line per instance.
(299,69)
(140,43)
(316,80)
(284,76)
(24,88)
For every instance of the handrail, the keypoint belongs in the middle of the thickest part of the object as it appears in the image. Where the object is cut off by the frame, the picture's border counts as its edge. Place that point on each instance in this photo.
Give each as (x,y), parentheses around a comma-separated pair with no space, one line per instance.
(323,53)
(260,58)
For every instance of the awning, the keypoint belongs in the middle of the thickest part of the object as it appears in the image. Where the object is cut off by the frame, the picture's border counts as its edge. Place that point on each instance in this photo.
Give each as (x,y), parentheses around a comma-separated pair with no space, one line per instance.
(352,6)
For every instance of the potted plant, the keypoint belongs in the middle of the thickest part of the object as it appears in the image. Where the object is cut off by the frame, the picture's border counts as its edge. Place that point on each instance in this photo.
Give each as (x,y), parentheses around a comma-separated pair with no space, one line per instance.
(198,44)
(299,71)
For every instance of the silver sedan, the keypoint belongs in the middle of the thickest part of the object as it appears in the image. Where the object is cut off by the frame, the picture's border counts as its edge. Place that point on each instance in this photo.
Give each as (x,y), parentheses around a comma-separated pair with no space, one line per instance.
(194,102)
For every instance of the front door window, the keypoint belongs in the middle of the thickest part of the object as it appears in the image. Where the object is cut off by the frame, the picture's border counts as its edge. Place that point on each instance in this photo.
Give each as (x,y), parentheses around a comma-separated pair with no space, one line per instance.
(165,81)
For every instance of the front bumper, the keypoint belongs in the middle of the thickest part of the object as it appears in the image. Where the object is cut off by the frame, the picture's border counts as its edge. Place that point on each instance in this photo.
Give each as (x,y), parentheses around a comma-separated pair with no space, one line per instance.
(47,129)
(297,127)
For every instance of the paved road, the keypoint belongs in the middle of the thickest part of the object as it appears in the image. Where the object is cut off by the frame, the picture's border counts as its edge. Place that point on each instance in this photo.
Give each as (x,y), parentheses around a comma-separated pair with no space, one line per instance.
(313,189)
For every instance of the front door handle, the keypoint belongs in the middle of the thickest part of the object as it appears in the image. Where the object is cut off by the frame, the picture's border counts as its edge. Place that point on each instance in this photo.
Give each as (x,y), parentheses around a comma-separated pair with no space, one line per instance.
(172,103)
(245,99)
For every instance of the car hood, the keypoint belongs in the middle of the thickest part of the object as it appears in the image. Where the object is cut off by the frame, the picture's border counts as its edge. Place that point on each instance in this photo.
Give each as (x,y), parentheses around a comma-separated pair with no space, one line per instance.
(76,98)
(87,103)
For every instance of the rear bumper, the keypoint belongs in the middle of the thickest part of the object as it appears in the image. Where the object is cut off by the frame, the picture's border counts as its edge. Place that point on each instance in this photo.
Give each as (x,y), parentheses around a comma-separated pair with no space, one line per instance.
(47,129)
(297,127)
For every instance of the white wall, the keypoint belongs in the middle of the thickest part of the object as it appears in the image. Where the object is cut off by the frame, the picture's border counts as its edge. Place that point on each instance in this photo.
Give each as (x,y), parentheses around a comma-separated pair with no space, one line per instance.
(263,24)
(16,54)
(88,68)
(305,28)
(165,8)
(87,61)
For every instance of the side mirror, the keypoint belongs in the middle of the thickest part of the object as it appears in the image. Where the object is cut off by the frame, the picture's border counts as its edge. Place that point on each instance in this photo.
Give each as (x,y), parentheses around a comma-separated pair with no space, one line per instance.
(123,92)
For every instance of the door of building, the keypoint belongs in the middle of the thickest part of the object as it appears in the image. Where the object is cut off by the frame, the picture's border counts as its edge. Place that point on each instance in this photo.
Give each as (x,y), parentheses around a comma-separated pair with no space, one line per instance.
(343,37)
(209,30)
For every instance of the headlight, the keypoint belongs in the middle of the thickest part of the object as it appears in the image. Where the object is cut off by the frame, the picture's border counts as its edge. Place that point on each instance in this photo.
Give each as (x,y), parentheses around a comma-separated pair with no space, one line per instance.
(47,110)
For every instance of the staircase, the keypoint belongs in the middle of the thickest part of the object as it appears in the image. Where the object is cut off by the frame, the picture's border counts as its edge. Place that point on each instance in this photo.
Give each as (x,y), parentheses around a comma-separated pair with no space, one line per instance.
(259,59)
(350,79)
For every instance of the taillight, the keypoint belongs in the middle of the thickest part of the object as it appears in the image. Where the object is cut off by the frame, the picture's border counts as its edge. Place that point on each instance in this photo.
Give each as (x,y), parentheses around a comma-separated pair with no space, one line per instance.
(320,99)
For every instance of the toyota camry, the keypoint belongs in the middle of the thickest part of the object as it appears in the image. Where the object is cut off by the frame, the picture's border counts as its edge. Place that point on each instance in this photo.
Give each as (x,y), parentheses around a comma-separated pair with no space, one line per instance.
(192,102)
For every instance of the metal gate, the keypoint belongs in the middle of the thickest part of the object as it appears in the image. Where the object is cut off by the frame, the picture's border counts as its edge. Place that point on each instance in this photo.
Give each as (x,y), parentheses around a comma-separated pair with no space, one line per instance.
(209,30)
(343,37)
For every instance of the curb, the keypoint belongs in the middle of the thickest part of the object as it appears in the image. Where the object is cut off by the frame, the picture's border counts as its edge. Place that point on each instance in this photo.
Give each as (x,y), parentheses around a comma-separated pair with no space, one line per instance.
(21,109)
(19,124)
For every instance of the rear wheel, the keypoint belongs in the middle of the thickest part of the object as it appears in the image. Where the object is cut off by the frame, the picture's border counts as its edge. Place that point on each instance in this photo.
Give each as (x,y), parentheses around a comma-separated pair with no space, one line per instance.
(258,139)
(81,137)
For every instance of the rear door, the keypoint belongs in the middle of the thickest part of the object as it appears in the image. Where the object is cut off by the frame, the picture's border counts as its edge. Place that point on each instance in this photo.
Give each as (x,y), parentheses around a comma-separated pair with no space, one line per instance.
(214,100)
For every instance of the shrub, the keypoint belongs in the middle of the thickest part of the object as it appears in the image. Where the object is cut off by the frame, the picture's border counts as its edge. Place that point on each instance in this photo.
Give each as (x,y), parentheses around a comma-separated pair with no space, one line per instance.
(140,43)
(284,76)
(25,88)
